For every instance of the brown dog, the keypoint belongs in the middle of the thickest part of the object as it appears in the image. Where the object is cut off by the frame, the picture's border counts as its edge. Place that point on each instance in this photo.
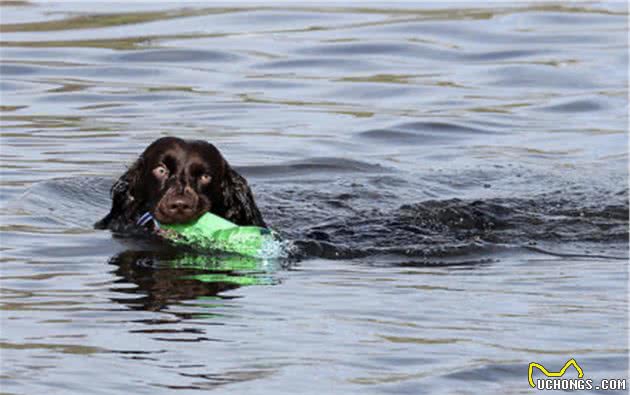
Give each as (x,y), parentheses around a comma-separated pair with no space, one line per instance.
(178,181)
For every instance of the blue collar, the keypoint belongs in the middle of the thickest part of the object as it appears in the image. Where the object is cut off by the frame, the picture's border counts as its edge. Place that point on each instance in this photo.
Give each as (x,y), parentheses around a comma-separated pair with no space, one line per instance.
(147,218)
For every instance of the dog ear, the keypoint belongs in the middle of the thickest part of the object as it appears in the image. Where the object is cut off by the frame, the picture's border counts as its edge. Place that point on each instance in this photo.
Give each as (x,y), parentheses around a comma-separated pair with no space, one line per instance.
(124,196)
(238,200)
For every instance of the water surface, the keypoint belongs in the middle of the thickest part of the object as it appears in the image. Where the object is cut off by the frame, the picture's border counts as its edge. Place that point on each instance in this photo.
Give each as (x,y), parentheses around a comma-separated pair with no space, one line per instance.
(454,178)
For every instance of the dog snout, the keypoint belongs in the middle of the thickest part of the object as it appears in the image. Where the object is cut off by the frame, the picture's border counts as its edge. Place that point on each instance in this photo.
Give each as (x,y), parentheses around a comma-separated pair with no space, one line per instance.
(178,207)
(179,204)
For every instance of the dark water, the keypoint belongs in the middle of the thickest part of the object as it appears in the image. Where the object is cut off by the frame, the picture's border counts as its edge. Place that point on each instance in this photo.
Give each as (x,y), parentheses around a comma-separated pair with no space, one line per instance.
(453,178)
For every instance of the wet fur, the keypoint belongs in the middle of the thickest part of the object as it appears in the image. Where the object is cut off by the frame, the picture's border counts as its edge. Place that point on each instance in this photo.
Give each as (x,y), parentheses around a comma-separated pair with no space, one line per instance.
(231,197)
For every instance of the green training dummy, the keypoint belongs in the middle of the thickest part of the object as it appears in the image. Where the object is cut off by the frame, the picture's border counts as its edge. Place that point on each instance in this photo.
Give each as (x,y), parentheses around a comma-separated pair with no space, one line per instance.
(215,233)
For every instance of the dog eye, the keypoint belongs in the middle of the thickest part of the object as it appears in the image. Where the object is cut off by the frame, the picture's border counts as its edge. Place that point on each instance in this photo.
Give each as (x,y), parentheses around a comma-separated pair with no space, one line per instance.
(205,178)
(160,172)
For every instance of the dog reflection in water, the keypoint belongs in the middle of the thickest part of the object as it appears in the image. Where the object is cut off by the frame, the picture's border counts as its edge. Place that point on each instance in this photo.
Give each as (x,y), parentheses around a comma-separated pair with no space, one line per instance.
(165,278)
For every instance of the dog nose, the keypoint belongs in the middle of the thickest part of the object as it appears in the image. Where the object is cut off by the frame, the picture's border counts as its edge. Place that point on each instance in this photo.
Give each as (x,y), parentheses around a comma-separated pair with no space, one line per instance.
(179,205)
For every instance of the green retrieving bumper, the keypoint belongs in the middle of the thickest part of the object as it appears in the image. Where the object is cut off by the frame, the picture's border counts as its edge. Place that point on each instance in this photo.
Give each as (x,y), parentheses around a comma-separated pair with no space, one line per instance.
(215,233)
